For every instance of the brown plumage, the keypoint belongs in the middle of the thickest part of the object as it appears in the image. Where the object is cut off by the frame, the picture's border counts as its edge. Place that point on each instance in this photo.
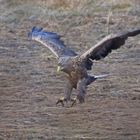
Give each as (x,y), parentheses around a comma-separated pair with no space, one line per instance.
(76,66)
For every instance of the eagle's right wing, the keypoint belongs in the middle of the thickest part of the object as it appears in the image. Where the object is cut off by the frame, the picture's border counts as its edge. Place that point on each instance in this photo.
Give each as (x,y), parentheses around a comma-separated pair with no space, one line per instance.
(52,41)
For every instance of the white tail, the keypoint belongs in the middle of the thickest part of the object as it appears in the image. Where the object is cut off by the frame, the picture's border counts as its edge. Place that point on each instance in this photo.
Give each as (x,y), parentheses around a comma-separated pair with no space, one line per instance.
(101,76)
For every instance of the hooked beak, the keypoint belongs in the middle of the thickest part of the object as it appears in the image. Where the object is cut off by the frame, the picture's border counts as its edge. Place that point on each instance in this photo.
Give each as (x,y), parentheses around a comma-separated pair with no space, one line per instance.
(58,69)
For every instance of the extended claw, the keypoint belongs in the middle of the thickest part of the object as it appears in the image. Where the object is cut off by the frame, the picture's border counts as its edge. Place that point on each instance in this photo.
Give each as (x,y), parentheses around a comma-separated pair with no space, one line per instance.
(61,100)
(73,101)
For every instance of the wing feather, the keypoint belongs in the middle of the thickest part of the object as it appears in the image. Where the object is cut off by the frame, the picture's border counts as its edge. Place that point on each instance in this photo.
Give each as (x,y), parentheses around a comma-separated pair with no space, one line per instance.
(52,41)
(107,44)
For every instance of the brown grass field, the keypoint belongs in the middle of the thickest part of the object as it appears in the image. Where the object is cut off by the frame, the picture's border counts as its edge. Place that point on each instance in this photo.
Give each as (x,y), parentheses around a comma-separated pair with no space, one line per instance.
(30,85)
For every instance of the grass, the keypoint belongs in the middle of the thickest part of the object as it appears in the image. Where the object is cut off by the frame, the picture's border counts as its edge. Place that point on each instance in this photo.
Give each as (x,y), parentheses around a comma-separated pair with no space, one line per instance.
(63,7)
(61,10)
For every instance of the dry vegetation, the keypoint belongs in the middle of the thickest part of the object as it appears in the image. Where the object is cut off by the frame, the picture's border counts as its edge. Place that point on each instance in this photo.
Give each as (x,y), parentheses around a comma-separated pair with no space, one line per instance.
(29,84)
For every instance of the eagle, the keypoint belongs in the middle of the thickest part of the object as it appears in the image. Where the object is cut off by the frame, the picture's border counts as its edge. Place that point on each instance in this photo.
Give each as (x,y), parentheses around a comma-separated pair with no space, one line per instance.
(76,66)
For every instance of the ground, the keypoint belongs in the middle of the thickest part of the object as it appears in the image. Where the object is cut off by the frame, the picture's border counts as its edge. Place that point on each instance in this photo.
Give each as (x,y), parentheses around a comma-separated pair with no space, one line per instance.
(30,85)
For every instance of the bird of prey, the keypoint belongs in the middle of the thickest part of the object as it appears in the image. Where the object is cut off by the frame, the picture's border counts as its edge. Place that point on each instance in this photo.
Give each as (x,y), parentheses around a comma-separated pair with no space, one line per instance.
(77,66)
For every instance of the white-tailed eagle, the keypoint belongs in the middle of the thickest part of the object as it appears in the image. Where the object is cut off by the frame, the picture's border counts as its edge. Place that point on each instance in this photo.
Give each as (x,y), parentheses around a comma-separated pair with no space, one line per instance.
(76,66)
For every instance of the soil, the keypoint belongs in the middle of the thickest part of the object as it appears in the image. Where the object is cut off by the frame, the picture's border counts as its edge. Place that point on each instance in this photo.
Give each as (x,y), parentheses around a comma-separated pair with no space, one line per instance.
(30,85)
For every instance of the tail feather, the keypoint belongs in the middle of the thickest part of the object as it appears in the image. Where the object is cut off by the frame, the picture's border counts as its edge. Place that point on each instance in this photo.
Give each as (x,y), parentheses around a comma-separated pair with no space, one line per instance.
(101,76)
(93,78)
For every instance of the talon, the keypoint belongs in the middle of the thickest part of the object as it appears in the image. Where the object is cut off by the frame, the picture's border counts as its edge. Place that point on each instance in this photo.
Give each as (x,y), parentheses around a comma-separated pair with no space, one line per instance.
(73,101)
(81,99)
(61,100)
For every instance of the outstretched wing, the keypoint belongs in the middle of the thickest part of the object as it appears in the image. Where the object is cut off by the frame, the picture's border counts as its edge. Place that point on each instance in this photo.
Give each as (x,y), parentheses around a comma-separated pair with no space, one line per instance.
(109,43)
(52,41)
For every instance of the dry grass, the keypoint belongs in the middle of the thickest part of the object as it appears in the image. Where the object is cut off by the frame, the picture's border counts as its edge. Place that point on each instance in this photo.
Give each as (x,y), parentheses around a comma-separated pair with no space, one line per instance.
(47,9)
(44,9)
(75,5)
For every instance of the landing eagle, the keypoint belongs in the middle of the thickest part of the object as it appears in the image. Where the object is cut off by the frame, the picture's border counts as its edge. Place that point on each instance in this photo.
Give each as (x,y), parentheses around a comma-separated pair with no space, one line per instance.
(76,66)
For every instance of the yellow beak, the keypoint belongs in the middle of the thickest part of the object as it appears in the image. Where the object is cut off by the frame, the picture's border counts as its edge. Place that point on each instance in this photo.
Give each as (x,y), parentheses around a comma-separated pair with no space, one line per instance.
(58,69)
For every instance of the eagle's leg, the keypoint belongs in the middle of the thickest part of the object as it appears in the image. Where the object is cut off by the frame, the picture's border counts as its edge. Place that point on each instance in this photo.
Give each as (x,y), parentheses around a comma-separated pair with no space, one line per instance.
(67,96)
(81,89)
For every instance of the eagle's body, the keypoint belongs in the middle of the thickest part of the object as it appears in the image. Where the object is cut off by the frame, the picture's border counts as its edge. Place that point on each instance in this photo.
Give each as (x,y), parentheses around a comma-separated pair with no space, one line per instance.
(76,66)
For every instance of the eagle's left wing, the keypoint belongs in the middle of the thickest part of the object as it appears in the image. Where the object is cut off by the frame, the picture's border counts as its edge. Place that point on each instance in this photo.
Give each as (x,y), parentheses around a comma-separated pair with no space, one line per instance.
(107,44)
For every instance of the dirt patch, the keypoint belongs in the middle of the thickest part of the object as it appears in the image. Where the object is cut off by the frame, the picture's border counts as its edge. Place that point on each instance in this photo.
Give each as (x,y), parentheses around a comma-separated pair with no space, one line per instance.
(30,86)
